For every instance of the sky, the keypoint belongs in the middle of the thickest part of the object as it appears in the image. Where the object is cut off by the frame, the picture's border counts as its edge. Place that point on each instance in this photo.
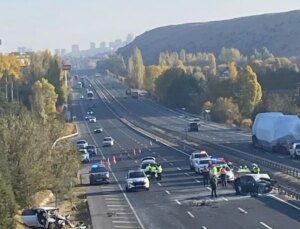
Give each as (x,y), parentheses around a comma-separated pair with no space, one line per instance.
(50,24)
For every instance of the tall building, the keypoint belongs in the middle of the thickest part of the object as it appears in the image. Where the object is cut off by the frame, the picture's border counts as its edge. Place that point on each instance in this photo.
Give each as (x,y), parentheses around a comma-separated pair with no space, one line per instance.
(57,52)
(63,52)
(75,48)
(92,45)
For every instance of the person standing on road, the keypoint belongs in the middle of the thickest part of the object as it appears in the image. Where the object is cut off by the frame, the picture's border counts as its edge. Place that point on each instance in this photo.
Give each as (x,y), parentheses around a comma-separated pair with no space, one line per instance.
(148,169)
(205,173)
(255,169)
(213,186)
(213,171)
(159,171)
(223,176)
(153,172)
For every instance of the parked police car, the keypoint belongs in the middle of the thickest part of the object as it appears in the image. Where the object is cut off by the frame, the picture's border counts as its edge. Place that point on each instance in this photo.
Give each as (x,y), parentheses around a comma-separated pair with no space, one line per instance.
(99,174)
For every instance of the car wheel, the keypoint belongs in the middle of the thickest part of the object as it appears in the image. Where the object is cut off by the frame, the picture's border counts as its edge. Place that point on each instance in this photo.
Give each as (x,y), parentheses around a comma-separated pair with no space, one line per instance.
(192,168)
(147,189)
(126,188)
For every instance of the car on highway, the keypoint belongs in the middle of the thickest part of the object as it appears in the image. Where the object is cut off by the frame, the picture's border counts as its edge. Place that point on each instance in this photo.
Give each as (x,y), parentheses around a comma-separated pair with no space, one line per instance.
(98,174)
(84,156)
(193,127)
(148,158)
(108,141)
(253,184)
(137,179)
(92,119)
(200,163)
(81,97)
(92,150)
(81,144)
(87,117)
(196,154)
(98,130)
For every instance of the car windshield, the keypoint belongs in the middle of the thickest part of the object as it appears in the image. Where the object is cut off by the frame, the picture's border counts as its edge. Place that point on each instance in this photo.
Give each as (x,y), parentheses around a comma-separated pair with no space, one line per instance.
(100,169)
(202,162)
(136,174)
(200,155)
(147,158)
(107,139)
(90,147)
(81,142)
(82,151)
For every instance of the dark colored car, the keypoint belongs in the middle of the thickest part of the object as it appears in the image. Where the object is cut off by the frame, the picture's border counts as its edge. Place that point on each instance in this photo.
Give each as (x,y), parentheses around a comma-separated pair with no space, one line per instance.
(253,184)
(193,127)
(99,174)
(98,130)
(92,150)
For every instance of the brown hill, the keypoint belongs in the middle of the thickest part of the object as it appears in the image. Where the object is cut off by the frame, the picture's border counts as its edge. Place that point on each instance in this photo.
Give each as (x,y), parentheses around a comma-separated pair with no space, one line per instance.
(279,32)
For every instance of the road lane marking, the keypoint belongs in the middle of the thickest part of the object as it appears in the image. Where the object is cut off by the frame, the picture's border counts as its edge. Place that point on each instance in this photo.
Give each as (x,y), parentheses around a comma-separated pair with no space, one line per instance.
(115,221)
(159,184)
(178,168)
(123,226)
(283,201)
(224,198)
(243,211)
(154,152)
(187,174)
(197,181)
(177,202)
(208,188)
(265,225)
(135,161)
(191,215)
(170,163)
(203,227)
(165,159)
(167,192)
(116,205)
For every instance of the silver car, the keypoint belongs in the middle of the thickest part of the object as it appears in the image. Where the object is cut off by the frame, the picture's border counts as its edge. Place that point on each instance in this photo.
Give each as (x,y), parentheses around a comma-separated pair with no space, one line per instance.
(137,179)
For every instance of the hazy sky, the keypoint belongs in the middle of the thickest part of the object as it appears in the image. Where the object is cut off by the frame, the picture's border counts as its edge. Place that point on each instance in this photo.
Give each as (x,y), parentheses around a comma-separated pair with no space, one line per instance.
(41,24)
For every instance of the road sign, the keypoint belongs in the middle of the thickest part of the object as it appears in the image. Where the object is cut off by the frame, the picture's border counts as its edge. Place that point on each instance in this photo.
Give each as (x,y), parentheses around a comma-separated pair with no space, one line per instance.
(66,67)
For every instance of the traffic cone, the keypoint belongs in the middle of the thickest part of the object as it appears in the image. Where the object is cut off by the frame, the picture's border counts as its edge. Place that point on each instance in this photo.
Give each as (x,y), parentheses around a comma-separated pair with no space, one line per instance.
(134,153)
(108,162)
(114,160)
(102,162)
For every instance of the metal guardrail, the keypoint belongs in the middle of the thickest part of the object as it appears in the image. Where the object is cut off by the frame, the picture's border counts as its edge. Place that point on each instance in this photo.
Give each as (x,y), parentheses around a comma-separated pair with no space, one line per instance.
(289,191)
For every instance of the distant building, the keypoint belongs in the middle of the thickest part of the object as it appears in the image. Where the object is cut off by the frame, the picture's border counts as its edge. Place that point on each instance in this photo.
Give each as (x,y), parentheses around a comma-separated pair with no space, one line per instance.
(75,48)
(57,52)
(23,57)
(24,49)
(63,52)
(129,38)
(92,45)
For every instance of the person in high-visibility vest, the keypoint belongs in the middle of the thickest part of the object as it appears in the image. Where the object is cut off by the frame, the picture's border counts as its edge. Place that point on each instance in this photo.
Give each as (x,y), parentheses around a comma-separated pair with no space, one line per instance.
(255,169)
(213,171)
(148,169)
(153,171)
(223,176)
(159,171)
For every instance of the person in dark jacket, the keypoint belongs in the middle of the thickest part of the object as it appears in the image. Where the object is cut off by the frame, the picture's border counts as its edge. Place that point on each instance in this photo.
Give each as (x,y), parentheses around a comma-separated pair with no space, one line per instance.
(213,186)
(205,173)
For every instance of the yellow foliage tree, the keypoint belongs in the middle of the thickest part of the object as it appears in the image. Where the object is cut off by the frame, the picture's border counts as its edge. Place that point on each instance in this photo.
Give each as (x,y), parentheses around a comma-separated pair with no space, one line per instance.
(233,72)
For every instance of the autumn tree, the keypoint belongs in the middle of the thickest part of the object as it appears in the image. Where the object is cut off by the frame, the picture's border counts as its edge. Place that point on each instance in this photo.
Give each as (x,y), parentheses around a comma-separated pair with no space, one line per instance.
(229,55)
(44,99)
(225,110)
(250,92)
(136,68)
(151,74)
(212,64)
(233,72)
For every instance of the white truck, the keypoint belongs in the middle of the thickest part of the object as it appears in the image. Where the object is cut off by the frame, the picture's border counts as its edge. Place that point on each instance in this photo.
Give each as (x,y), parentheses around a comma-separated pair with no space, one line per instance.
(295,150)
(275,131)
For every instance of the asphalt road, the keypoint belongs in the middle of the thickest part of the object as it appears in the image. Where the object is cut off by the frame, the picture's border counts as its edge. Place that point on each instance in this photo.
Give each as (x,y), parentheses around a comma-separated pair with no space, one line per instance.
(179,200)
(233,138)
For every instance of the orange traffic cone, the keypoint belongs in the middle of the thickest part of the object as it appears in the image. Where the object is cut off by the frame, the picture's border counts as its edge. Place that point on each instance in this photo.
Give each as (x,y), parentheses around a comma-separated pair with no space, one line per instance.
(114,160)
(102,162)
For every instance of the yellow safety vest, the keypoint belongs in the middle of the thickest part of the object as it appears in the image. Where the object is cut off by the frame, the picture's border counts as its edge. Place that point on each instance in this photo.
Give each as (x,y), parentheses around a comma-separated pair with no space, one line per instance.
(159,169)
(153,169)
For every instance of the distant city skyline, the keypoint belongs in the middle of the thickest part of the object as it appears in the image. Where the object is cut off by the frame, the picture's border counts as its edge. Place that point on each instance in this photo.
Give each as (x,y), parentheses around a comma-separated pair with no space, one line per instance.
(57,24)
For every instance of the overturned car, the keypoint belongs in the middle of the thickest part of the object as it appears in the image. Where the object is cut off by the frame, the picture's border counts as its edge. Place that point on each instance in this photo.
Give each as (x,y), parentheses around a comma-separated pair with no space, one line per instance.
(47,218)
(253,184)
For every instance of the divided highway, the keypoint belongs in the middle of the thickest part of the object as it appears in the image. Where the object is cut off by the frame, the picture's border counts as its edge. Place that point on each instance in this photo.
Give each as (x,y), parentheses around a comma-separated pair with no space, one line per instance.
(179,200)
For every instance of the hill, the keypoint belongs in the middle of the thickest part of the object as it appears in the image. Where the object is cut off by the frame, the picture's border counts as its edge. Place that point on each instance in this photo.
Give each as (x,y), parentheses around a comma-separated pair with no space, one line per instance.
(279,32)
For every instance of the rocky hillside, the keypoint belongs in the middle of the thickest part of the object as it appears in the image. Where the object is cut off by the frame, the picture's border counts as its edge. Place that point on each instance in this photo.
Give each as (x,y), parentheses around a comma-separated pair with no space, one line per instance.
(279,32)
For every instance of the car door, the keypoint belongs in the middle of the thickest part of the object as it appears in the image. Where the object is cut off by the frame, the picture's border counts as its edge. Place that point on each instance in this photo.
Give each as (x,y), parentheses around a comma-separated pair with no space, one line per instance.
(249,183)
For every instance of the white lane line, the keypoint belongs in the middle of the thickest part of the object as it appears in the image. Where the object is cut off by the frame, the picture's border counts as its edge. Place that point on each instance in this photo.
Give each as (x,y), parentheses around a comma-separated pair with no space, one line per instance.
(283,201)
(208,188)
(187,174)
(124,213)
(124,226)
(112,198)
(203,227)
(178,168)
(224,198)
(135,161)
(149,150)
(243,211)
(265,225)
(171,163)
(177,202)
(114,221)
(197,181)
(191,215)
(115,205)
(121,217)
(167,192)
(165,159)
(159,184)
(154,152)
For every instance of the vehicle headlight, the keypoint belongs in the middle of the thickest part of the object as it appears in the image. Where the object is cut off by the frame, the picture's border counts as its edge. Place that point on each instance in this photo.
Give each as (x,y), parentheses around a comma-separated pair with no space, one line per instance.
(130,181)
(107,174)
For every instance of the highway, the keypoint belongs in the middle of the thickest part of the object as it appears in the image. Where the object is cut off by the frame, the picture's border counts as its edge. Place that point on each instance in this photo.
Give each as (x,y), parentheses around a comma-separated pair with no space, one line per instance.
(231,138)
(179,200)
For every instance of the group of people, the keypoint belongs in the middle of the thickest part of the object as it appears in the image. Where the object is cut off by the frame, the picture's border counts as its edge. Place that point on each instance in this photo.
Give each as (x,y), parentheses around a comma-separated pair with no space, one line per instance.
(154,170)
(254,169)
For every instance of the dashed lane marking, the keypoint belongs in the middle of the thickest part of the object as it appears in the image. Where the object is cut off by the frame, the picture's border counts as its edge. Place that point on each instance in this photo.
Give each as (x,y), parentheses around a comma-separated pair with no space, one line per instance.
(135,161)
(190,214)
(187,174)
(177,202)
(265,225)
(178,168)
(224,198)
(203,227)
(159,184)
(154,152)
(167,192)
(242,211)
(171,163)
(165,159)
(208,188)
(114,221)
(197,181)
